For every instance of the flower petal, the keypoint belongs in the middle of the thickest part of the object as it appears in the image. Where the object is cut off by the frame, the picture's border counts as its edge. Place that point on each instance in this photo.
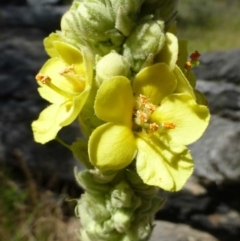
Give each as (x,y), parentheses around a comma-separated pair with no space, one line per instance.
(52,68)
(46,127)
(169,53)
(51,95)
(56,116)
(70,55)
(163,165)
(114,101)
(156,82)
(183,86)
(48,44)
(189,118)
(74,107)
(112,147)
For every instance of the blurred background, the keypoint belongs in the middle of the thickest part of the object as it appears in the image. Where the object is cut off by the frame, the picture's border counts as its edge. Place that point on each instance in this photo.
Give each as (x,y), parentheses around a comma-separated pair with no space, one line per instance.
(37,185)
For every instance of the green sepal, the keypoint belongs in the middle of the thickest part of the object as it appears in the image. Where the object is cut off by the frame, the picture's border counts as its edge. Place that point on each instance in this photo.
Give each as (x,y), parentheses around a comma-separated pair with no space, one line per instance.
(86,181)
(122,219)
(87,118)
(79,149)
(122,195)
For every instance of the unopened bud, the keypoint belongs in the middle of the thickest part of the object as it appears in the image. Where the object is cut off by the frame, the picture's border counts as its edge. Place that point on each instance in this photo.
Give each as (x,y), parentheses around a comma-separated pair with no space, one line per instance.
(111,65)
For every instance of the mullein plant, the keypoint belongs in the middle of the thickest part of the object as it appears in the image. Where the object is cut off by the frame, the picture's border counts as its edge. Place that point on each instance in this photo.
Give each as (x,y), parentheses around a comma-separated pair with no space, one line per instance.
(118,68)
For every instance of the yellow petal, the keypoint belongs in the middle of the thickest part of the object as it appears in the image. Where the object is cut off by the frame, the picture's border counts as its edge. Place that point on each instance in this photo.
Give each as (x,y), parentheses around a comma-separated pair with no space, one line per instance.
(52,69)
(51,95)
(48,44)
(56,116)
(155,82)
(48,123)
(73,108)
(70,55)
(112,147)
(169,53)
(189,118)
(163,165)
(183,86)
(114,101)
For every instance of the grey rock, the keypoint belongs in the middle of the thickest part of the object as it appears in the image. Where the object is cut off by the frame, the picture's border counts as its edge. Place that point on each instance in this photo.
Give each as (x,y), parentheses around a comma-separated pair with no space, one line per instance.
(50,163)
(223,98)
(224,65)
(42,2)
(166,231)
(44,17)
(227,222)
(22,55)
(217,153)
(13,2)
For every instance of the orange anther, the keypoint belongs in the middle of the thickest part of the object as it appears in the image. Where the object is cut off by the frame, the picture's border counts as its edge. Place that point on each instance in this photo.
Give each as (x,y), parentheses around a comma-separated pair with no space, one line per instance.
(154,127)
(44,79)
(150,107)
(143,99)
(67,70)
(142,116)
(188,65)
(168,125)
(194,56)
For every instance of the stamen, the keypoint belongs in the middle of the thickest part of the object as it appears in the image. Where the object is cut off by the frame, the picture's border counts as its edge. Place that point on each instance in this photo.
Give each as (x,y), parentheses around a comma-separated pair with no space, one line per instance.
(143,99)
(77,80)
(67,70)
(187,65)
(168,125)
(142,116)
(44,79)
(151,107)
(154,127)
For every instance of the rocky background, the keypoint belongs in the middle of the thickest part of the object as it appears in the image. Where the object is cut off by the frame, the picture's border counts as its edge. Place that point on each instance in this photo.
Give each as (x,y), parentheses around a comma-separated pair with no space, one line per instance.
(207,209)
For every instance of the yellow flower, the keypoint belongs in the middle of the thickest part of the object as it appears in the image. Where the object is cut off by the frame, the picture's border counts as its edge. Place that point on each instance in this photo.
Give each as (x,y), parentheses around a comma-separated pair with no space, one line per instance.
(149,122)
(65,81)
(174,53)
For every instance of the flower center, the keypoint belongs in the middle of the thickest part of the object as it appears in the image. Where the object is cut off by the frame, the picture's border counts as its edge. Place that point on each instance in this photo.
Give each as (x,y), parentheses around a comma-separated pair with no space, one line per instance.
(77,82)
(141,117)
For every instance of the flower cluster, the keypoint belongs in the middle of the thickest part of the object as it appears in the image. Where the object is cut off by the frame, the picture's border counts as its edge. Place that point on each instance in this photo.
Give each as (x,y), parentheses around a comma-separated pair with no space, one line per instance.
(118,67)
(119,70)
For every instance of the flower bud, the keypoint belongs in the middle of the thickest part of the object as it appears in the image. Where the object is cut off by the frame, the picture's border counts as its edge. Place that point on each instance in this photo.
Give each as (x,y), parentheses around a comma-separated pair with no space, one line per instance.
(85,179)
(92,23)
(144,43)
(122,219)
(140,230)
(92,207)
(126,12)
(111,65)
(122,195)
